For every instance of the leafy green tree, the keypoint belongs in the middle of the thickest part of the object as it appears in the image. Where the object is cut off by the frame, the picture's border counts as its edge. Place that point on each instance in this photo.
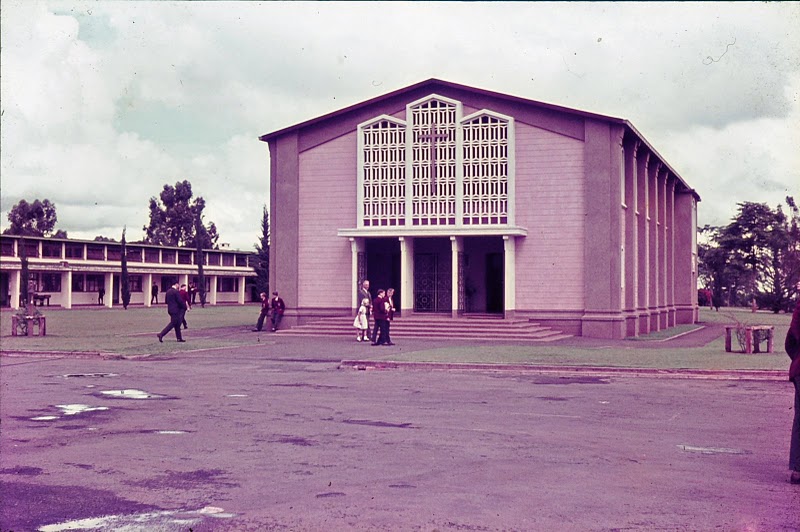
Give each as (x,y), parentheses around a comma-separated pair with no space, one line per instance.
(262,255)
(124,281)
(173,215)
(32,219)
(756,256)
(24,271)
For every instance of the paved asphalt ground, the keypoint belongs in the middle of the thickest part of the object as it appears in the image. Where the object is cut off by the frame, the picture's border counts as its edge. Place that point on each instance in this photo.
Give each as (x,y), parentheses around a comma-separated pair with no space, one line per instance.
(280,437)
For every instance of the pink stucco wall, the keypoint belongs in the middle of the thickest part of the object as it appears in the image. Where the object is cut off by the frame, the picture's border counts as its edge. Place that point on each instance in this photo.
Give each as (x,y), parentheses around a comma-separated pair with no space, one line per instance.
(550,204)
(327,203)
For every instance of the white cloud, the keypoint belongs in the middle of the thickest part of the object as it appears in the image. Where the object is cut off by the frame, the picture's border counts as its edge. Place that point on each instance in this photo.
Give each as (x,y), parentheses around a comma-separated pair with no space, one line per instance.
(105,102)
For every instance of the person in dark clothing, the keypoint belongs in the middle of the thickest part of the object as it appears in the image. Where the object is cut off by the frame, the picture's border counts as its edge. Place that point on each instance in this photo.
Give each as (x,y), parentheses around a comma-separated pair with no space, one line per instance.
(193,293)
(277,306)
(792,345)
(187,301)
(380,308)
(154,294)
(175,307)
(101,293)
(265,308)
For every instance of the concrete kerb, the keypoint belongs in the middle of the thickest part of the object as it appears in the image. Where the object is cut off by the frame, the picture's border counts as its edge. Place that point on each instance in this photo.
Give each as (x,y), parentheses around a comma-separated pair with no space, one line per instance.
(707,374)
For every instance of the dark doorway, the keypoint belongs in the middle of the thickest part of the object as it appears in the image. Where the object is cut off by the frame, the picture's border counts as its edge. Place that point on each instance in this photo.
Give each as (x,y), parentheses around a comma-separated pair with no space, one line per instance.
(116,291)
(432,291)
(495,289)
(383,267)
(5,297)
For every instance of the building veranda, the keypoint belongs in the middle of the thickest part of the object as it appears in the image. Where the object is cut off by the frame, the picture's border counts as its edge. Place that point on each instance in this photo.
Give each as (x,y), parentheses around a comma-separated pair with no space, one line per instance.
(469,201)
(68,272)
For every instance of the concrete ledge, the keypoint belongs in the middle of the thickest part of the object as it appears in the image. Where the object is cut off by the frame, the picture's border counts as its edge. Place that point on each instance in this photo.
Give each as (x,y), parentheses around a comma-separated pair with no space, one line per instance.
(737,375)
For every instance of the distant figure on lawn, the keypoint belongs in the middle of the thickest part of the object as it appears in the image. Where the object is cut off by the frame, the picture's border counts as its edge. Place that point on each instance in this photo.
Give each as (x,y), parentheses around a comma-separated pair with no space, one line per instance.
(100,295)
(154,294)
(175,307)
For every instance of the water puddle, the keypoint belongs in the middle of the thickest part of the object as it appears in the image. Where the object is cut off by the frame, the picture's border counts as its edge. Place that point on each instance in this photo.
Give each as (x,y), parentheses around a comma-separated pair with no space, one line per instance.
(45,418)
(75,409)
(162,520)
(170,432)
(131,394)
(91,375)
(712,450)
(236,395)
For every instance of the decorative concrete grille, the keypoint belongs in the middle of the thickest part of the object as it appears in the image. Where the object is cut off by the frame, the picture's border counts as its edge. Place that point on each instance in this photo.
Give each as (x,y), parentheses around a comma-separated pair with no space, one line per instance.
(433,163)
(485,181)
(384,171)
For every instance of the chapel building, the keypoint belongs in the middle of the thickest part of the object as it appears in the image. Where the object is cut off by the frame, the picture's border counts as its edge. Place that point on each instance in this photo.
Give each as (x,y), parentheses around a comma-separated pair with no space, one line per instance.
(475,202)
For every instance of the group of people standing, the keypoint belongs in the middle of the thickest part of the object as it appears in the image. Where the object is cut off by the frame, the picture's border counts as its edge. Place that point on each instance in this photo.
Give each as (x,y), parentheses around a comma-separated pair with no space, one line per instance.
(273,308)
(381,310)
(191,290)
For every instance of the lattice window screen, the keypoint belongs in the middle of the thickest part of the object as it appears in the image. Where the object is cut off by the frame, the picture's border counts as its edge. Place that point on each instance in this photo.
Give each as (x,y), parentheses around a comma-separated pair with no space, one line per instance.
(384,174)
(485,181)
(433,168)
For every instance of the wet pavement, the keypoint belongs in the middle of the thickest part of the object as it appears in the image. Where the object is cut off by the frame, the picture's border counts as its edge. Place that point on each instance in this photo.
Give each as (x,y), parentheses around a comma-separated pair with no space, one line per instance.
(279,437)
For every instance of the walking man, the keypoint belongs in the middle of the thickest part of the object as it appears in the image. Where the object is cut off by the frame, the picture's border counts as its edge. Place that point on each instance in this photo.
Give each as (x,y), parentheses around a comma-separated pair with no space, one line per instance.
(175,307)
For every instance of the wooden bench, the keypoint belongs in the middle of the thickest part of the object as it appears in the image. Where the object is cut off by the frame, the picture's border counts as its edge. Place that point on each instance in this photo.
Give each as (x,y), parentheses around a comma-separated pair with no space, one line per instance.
(19,323)
(753,334)
(41,298)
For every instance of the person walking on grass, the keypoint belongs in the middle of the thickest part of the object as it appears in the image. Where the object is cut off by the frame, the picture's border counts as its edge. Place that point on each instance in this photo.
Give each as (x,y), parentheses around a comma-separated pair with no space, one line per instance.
(361,324)
(175,307)
(187,302)
(792,346)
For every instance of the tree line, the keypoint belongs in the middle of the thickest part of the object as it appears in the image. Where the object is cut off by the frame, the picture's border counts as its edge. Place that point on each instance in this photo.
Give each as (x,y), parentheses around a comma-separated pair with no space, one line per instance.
(176,219)
(755,258)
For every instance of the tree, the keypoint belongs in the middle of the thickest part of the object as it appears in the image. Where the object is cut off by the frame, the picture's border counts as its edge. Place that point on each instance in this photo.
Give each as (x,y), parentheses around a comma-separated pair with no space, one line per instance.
(126,289)
(172,219)
(24,273)
(32,219)
(262,255)
(199,256)
(756,256)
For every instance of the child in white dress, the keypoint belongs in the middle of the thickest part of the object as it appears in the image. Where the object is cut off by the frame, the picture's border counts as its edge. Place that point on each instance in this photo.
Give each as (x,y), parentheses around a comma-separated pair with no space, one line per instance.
(360,322)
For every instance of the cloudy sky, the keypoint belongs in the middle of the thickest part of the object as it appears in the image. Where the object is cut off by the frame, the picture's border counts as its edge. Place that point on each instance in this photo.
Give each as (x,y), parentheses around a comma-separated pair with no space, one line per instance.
(105,102)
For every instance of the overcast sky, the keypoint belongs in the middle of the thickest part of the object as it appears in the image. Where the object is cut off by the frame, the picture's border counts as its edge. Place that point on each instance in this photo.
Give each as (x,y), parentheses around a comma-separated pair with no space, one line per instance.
(105,102)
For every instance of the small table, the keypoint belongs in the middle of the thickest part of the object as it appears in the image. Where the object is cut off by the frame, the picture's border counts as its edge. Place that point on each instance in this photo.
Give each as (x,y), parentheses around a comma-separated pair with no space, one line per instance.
(41,321)
(751,332)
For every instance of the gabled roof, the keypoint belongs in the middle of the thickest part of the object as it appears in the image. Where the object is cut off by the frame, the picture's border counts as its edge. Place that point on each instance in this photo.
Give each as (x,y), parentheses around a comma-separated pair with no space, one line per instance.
(432,84)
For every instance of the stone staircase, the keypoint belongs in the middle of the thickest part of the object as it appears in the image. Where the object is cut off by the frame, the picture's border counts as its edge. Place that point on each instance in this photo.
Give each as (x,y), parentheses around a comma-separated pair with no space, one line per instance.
(438,327)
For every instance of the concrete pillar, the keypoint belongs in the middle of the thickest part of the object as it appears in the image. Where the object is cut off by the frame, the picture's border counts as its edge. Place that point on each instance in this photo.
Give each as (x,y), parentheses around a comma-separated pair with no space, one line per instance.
(685,229)
(510,275)
(242,283)
(631,250)
(212,300)
(671,252)
(147,289)
(653,301)
(662,248)
(457,291)
(357,247)
(407,275)
(642,221)
(66,289)
(108,283)
(14,277)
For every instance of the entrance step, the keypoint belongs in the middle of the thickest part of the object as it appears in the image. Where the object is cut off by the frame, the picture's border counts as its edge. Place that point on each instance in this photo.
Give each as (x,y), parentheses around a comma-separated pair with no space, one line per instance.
(484,327)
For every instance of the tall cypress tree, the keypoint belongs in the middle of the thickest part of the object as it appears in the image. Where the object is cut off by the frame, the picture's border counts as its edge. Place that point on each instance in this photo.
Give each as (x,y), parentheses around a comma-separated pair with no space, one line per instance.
(24,274)
(262,255)
(201,238)
(126,289)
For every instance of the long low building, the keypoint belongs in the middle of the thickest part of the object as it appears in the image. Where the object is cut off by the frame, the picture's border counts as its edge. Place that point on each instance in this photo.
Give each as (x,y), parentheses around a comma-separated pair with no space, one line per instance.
(69,272)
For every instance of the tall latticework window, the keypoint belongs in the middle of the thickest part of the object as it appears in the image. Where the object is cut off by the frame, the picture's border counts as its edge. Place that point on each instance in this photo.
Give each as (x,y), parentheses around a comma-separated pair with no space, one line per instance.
(433,167)
(384,152)
(485,181)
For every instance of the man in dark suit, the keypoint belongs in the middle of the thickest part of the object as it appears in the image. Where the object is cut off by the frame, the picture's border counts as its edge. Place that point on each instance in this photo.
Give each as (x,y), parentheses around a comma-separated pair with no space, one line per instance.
(176,307)
(380,308)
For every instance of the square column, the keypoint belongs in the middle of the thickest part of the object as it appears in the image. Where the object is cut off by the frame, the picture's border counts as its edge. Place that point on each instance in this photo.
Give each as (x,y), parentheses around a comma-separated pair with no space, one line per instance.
(685,230)
(643,259)
(510,275)
(456,275)
(406,275)
(358,268)
(653,302)
(14,286)
(66,289)
(631,239)
(662,249)
(671,252)
(147,287)
(108,283)
(242,283)
(213,299)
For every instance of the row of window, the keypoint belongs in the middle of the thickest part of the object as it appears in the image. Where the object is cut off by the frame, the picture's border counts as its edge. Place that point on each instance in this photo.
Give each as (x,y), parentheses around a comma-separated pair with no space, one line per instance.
(93,282)
(53,250)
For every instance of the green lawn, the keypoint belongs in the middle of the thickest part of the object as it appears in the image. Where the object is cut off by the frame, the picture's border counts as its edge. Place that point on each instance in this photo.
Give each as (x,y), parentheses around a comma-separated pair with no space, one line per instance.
(133,332)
